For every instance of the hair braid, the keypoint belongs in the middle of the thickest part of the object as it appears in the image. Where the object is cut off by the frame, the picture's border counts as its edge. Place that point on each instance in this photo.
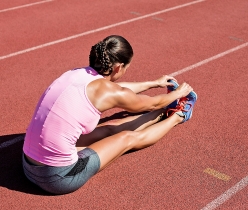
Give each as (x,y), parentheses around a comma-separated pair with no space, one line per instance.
(104,58)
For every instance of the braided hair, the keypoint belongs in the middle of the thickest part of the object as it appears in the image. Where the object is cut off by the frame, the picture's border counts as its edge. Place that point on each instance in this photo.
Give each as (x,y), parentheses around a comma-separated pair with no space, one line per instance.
(113,49)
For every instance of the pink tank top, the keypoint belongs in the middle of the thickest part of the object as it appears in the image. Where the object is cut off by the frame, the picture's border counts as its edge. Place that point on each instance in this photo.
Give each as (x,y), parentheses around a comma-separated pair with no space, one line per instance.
(63,113)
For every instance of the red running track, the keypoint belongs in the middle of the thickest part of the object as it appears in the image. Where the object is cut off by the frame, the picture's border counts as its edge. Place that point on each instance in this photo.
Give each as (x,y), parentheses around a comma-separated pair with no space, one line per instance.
(201,164)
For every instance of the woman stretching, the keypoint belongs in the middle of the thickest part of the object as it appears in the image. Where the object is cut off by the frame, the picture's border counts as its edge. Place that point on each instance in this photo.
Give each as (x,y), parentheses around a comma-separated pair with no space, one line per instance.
(64,144)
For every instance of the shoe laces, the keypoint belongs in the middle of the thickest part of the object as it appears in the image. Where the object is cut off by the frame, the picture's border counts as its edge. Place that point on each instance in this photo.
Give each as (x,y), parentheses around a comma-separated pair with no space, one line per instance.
(179,107)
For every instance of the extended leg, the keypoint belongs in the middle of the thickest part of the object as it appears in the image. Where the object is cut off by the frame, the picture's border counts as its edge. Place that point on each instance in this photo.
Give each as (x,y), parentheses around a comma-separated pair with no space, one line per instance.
(114,146)
(132,123)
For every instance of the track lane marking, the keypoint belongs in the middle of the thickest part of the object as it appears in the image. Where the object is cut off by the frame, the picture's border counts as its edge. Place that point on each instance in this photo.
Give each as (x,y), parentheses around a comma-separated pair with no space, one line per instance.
(25,5)
(99,29)
(227,194)
(217,174)
(209,59)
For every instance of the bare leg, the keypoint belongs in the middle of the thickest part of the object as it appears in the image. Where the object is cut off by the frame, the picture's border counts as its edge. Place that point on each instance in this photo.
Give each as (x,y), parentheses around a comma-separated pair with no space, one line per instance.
(114,146)
(132,123)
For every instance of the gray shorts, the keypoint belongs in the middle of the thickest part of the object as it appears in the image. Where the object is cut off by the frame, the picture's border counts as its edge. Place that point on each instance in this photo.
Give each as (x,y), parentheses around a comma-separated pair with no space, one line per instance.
(65,179)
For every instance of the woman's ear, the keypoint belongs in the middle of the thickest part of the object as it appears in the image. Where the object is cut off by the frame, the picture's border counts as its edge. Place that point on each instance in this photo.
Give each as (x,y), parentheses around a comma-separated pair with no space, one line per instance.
(117,67)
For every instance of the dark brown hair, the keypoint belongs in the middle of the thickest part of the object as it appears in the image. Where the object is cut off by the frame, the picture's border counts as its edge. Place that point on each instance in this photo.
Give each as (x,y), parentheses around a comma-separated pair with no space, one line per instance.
(113,49)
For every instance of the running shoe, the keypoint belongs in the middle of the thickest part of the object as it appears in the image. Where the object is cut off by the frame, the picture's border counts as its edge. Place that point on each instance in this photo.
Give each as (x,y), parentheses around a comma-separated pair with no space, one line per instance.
(184,107)
(172,88)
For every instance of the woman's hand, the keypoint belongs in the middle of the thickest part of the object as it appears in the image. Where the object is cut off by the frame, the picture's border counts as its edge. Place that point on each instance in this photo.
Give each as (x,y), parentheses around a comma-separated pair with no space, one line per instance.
(183,90)
(163,81)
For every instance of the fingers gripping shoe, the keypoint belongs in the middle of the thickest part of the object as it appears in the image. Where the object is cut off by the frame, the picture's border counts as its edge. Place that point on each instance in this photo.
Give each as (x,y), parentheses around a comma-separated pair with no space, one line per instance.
(175,86)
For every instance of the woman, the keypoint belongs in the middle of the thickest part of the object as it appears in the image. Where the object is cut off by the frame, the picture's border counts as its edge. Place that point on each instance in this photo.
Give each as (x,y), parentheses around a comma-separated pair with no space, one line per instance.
(64,144)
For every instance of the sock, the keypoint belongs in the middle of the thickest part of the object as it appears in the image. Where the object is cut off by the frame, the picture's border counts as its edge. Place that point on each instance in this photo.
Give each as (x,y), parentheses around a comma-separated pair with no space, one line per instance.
(180,113)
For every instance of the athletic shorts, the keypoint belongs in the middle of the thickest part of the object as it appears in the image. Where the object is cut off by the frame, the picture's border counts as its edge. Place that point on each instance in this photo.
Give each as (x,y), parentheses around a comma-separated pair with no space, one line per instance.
(65,179)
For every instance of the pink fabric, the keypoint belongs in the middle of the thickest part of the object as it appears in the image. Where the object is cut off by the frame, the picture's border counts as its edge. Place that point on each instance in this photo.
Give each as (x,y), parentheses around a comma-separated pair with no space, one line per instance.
(63,113)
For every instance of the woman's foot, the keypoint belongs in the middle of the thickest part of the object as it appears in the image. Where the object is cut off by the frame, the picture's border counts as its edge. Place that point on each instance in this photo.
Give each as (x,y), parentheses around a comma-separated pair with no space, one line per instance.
(184,107)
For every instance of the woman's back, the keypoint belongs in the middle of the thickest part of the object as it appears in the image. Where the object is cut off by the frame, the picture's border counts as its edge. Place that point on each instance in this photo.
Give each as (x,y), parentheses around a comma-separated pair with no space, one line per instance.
(63,113)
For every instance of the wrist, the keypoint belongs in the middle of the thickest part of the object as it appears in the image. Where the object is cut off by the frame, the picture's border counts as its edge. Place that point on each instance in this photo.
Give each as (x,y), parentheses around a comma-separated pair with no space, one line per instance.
(175,94)
(155,84)
(151,84)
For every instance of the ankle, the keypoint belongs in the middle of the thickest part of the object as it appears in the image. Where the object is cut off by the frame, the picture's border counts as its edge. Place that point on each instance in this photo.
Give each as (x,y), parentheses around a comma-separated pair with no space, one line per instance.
(179,117)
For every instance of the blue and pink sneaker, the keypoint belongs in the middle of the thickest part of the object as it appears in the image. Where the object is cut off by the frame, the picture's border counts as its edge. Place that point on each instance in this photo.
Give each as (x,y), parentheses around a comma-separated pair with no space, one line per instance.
(184,106)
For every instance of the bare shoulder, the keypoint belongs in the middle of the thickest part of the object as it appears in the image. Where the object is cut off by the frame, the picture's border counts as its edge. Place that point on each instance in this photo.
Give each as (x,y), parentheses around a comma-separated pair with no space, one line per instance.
(105,94)
(100,86)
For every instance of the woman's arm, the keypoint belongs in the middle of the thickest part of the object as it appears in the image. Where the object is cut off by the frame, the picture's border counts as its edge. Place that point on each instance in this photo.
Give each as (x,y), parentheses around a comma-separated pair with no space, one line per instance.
(138,87)
(105,95)
(132,102)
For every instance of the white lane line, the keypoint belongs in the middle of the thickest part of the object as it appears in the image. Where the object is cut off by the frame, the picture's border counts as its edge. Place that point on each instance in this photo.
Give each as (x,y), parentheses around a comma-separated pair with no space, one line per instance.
(12,141)
(99,29)
(209,59)
(227,195)
(25,5)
